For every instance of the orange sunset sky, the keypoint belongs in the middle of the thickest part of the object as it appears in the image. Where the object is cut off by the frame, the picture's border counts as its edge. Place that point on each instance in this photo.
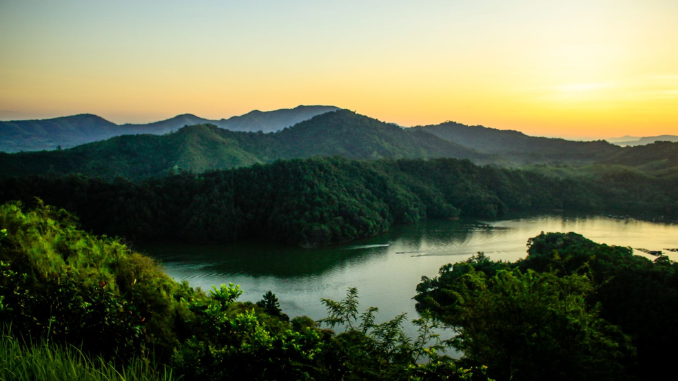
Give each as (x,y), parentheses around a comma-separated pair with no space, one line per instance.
(578,69)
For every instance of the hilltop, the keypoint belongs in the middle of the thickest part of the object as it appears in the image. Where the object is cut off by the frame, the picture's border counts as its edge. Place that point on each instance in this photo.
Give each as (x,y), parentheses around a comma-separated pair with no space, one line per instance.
(272,121)
(518,147)
(205,147)
(71,131)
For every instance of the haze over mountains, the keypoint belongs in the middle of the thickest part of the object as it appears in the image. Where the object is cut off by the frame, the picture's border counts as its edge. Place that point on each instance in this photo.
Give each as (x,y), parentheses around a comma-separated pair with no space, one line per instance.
(203,147)
(518,147)
(71,131)
(627,141)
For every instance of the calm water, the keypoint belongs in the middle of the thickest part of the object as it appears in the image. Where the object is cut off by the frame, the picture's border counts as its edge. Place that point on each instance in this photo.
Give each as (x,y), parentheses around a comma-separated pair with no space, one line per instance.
(386,268)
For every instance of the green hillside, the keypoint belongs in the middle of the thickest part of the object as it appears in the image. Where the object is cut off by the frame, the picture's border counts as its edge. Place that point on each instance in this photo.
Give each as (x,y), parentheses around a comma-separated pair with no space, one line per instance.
(518,147)
(206,147)
(71,131)
(319,201)
(197,148)
(656,157)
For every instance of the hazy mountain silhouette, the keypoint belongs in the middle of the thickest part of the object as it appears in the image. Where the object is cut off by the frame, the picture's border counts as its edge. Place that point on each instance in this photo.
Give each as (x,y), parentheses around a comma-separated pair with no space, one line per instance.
(625,138)
(163,126)
(518,147)
(71,131)
(272,121)
(646,140)
(206,147)
(68,131)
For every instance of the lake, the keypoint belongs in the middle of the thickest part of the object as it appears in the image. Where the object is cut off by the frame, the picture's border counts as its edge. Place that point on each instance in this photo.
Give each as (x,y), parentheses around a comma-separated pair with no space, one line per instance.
(386,268)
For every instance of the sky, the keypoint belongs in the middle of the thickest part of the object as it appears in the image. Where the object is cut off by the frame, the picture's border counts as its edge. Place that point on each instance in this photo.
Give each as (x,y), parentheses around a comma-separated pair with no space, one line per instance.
(578,69)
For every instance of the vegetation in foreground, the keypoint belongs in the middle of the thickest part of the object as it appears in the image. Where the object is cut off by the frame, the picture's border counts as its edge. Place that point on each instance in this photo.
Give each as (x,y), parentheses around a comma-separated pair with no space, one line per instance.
(573,309)
(20,361)
(63,286)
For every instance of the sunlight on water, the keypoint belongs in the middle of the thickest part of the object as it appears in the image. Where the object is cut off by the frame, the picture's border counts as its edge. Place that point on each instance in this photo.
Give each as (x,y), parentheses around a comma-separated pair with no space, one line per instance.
(385,268)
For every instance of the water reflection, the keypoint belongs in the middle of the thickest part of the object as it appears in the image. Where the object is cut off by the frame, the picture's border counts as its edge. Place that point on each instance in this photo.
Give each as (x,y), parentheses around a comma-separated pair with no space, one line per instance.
(385,268)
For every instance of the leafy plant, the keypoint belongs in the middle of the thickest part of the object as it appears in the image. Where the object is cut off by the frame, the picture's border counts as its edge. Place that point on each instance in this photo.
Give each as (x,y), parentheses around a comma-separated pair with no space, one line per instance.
(21,361)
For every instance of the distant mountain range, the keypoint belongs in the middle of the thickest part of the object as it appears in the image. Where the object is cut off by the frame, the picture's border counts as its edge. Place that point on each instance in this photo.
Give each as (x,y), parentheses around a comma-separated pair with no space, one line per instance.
(518,147)
(206,146)
(625,138)
(626,141)
(71,131)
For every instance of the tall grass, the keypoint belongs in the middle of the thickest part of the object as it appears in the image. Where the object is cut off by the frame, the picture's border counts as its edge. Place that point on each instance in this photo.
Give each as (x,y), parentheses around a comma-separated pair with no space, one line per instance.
(20,361)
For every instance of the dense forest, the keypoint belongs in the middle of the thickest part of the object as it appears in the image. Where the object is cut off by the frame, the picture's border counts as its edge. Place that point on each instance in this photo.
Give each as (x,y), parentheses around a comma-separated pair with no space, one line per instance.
(314,202)
(572,309)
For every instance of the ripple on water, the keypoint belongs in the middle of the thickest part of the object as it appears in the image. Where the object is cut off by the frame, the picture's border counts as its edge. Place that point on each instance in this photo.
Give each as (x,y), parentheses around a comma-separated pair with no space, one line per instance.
(358,247)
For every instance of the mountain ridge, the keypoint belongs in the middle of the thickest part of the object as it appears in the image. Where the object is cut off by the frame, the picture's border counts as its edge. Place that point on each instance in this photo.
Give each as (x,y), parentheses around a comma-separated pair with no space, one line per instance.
(647,140)
(518,147)
(205,147)
(74,130)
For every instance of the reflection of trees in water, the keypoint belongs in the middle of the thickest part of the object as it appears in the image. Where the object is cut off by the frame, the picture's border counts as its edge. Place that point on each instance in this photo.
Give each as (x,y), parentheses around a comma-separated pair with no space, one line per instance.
(262,259)
(286,261)
(432,233)
(434,237)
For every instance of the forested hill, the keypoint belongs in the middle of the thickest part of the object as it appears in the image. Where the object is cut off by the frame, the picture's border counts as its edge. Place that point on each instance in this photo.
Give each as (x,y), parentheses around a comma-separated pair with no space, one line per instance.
(68,131)
(206,147)
(355,136)
(160,127)
(71,131)
(518,147)
(313,202)
(651,162)
(660,158)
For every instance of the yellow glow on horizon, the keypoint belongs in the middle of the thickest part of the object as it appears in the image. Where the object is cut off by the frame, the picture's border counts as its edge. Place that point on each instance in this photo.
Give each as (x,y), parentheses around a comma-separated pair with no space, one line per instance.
(581,68)
(581,87)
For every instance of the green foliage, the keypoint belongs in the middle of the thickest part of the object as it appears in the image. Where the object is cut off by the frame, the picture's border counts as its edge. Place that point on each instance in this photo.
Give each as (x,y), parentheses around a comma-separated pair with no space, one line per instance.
(381,351)
(310,202)
(634,293)
(46,134)
(345,312)
(20,361)
(235,344)
(534,326)
(62,309)
(226,295)
(206,147)
(572,304)
(271,306)
(65,285)
(572,309)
